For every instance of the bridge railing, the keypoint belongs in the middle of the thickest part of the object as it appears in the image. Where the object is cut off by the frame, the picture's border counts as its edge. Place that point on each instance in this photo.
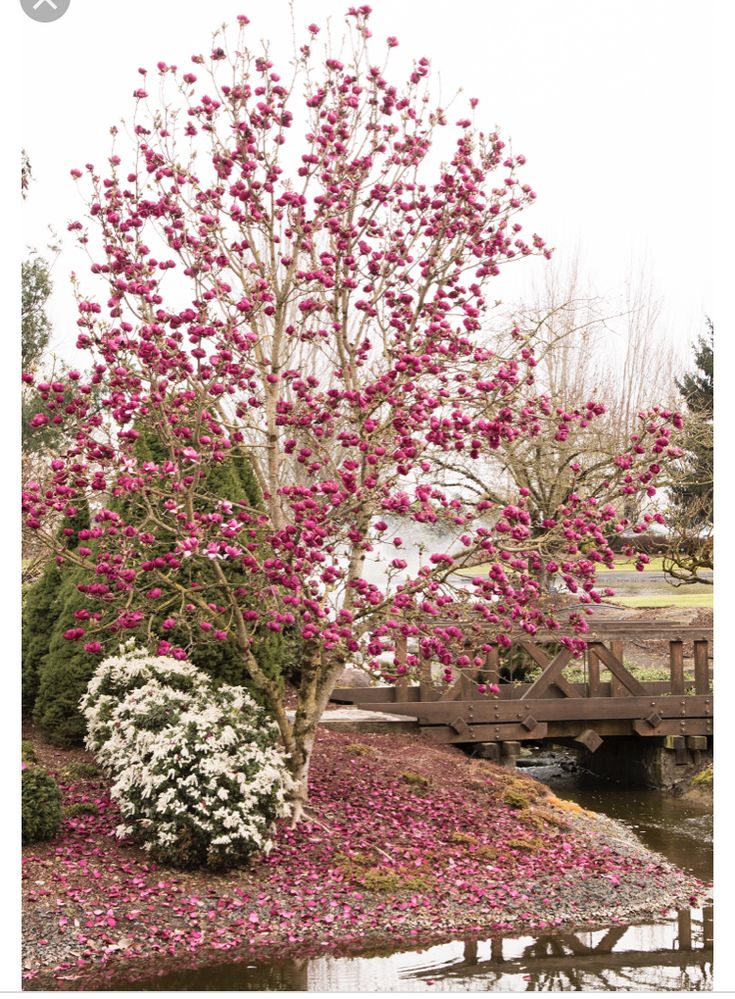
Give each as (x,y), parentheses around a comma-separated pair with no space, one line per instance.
(606,694)
(612,648)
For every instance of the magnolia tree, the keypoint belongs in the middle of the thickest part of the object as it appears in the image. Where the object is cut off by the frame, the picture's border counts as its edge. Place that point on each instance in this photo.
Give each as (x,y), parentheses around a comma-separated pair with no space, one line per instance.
(290,275)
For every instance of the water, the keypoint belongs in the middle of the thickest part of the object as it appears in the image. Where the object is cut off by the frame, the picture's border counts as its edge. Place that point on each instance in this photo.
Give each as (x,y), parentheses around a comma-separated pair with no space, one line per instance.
(680,830)
(626,958)
(670,954)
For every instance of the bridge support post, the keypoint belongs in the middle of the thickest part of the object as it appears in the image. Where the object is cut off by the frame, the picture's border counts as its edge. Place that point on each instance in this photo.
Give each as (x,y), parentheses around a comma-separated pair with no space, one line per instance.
(650,762)
(509,753)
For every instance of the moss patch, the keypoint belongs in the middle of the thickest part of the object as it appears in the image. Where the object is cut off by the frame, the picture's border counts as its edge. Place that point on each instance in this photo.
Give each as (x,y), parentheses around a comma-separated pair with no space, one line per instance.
(461,837)
(414,779)
(361,749)
(705,778)
(78,769)
(81,808)
(529,845)
(514,799)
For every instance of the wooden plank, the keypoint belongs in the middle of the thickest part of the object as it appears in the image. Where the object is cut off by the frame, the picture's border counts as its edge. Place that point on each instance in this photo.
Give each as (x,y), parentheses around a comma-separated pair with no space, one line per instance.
(607,728)
(603,628)
(426,687)
(542,659)
(676,661)
(701,668)
(539,656)
(643,630)
(593,673)
(670,726)
(484,733)
(374,695)
(401,652)
(549,675)
(564,687)
(453,693)
(387,694)
(653,689)
(469,685)
(553,709)
(492,664)
(617,688)
(612,658)
(562,730)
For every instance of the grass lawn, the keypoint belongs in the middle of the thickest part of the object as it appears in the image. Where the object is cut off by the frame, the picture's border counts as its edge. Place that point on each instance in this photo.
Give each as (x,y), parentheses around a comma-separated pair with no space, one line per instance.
(676,599)
(622,564)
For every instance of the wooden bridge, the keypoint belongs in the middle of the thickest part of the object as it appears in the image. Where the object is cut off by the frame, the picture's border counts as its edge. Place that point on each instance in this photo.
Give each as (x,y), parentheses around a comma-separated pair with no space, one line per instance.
(601,698)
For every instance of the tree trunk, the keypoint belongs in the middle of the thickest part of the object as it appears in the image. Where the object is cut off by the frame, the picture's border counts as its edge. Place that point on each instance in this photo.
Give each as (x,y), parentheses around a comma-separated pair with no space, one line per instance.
(299,766)
(317,683)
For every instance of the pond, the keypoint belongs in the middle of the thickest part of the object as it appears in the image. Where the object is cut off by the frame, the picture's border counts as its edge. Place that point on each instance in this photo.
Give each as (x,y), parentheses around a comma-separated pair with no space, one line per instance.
(672,953)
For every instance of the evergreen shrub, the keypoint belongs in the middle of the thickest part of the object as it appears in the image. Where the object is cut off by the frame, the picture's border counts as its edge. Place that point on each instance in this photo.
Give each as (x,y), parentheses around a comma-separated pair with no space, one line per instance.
(41,804)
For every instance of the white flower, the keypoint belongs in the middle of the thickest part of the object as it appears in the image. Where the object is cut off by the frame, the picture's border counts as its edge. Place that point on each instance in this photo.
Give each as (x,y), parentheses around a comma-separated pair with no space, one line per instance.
(179,748)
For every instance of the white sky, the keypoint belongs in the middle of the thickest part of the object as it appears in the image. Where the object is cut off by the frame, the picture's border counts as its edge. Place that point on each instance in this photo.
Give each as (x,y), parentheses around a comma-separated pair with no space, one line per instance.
(609,101)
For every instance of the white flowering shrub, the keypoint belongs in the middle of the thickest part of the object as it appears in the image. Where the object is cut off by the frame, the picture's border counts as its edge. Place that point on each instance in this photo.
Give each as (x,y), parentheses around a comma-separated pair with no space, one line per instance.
(197,772)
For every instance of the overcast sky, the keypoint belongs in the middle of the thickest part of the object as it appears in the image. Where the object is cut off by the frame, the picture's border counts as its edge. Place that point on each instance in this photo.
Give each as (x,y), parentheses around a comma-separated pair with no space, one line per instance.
(610,103)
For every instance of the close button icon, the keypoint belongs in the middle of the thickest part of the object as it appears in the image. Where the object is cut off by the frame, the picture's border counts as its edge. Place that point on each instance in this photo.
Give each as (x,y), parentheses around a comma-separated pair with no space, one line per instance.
(45,10)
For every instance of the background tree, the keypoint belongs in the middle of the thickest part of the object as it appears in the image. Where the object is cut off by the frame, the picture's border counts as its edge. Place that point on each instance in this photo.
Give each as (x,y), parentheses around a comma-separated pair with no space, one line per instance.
(312,305)
(40,607)
(592,387)
(26,174)
(690,554)
(36,287)
(36,330)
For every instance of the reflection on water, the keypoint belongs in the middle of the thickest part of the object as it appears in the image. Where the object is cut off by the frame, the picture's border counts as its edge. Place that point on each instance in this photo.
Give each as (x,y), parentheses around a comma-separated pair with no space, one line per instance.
(670,955)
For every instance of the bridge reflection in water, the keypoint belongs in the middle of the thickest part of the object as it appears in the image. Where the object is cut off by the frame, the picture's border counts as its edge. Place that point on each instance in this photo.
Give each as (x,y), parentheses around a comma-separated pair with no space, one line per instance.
(672,954)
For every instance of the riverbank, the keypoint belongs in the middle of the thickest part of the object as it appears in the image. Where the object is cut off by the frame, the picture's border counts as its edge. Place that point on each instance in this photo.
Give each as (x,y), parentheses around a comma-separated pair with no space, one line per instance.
(407,842)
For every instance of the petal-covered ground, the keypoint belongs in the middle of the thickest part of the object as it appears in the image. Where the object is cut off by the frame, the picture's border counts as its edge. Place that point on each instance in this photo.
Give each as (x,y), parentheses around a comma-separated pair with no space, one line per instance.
(406,842)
